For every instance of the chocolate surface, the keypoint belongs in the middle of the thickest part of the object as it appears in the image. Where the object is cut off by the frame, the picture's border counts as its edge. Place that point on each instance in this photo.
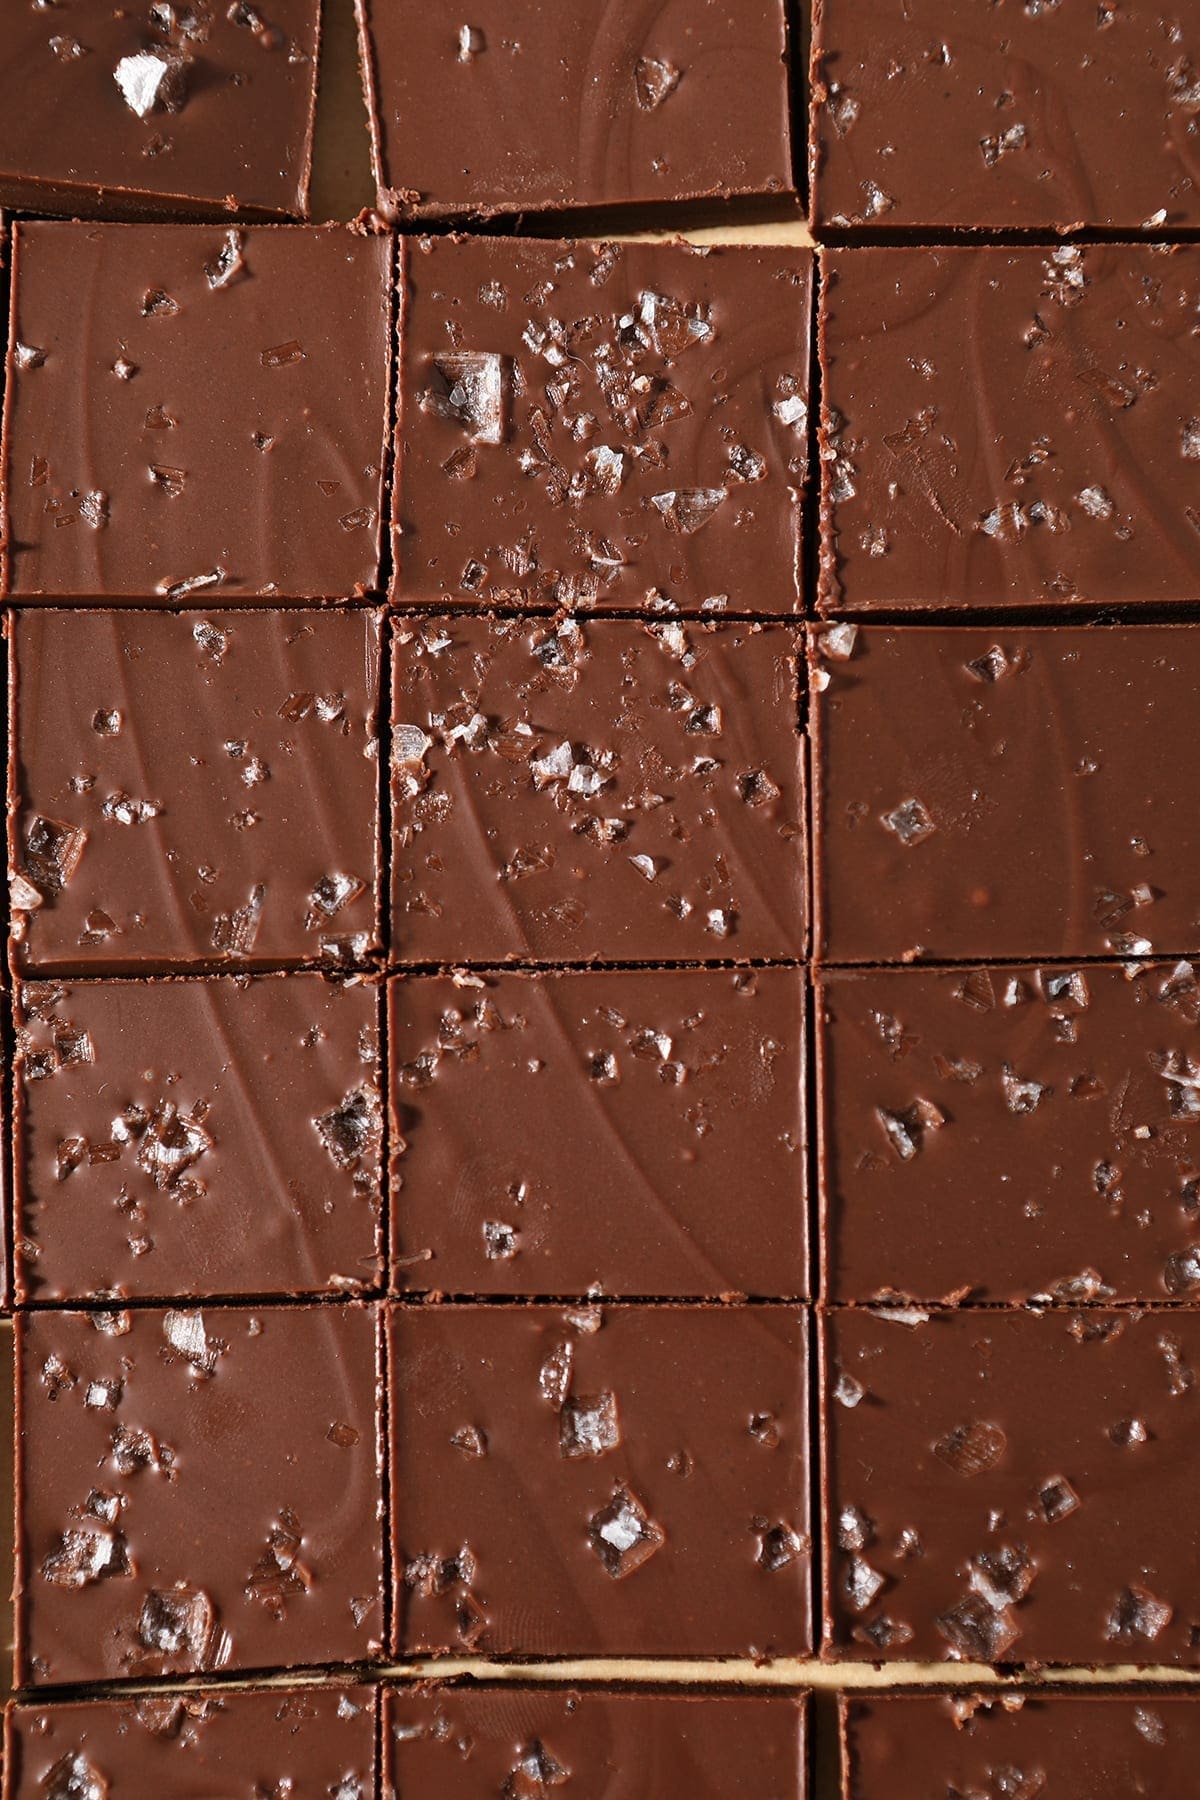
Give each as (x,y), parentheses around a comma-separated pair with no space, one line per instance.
(1010,427)
(1071,1746)
(158,107)
(1056,116)
(638,1134)
(197,1490)
(610,791)
(193,789)
(602,425)
(574,106)
(473,1745)
(197,1138)
(622,1482)
(1021,793)
(1008,1133)
(194,411)
(1008,1487)
(309,1743)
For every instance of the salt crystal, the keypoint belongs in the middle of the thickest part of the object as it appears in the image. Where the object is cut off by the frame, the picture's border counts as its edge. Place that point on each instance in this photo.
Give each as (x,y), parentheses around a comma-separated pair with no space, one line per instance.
(151,80)
(910,822)
(473,390)
(685,510)
(860,1584)
(501,1242)
(654,82)
(623,1535)
(588,1426)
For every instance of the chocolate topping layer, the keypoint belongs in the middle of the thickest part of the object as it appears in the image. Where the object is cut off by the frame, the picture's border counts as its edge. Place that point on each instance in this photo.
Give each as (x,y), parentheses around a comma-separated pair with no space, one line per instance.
(1010,427)
(1006,1487)
(195,788)
(529,107)
(158,107)
(1022,793)
(463,1744)
(1072,1746)
(641,1134)
(1008,1133)
(611,790)
(194,412)
(1026,113)
(197,1138)
(624,1482)
(306,1743)
(602,425)
(197,1490)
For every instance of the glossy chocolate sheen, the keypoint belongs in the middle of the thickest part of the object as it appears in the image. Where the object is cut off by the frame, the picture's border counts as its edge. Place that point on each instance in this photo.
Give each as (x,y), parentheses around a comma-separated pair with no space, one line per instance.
(638,1134)
(194,412)
(193,789)
(474,1744)
(1011,1487)
(1010,427)
(1072,1746)
(196,1491)
(163,108)
(621,1482)
(197,1138)
(1033,113)
(1006,1133)
(602,425)
(307,1743)
(611,791)
(1014,794)
(555,106)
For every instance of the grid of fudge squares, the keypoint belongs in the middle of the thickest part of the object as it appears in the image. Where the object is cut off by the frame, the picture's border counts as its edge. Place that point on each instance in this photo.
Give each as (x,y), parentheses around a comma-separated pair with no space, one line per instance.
(218,427)
(159,108)
(602,425)
(565,108)
(318,1742)
(306,1742)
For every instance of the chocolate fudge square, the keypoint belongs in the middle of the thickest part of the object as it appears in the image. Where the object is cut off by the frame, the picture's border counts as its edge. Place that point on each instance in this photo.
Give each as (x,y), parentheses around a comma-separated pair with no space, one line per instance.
(602,791)
(570,106)
(579,1481)
(1011,1486)
(1010,427)
(197,1138)
(1074,1745)
(159,108)
(602,425)
(637,1134)
(305,1742)
(472,1744)
(1011,794)
(194,412)
(1011,1133)
(173,781)
(197,1490)
(1029,114)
